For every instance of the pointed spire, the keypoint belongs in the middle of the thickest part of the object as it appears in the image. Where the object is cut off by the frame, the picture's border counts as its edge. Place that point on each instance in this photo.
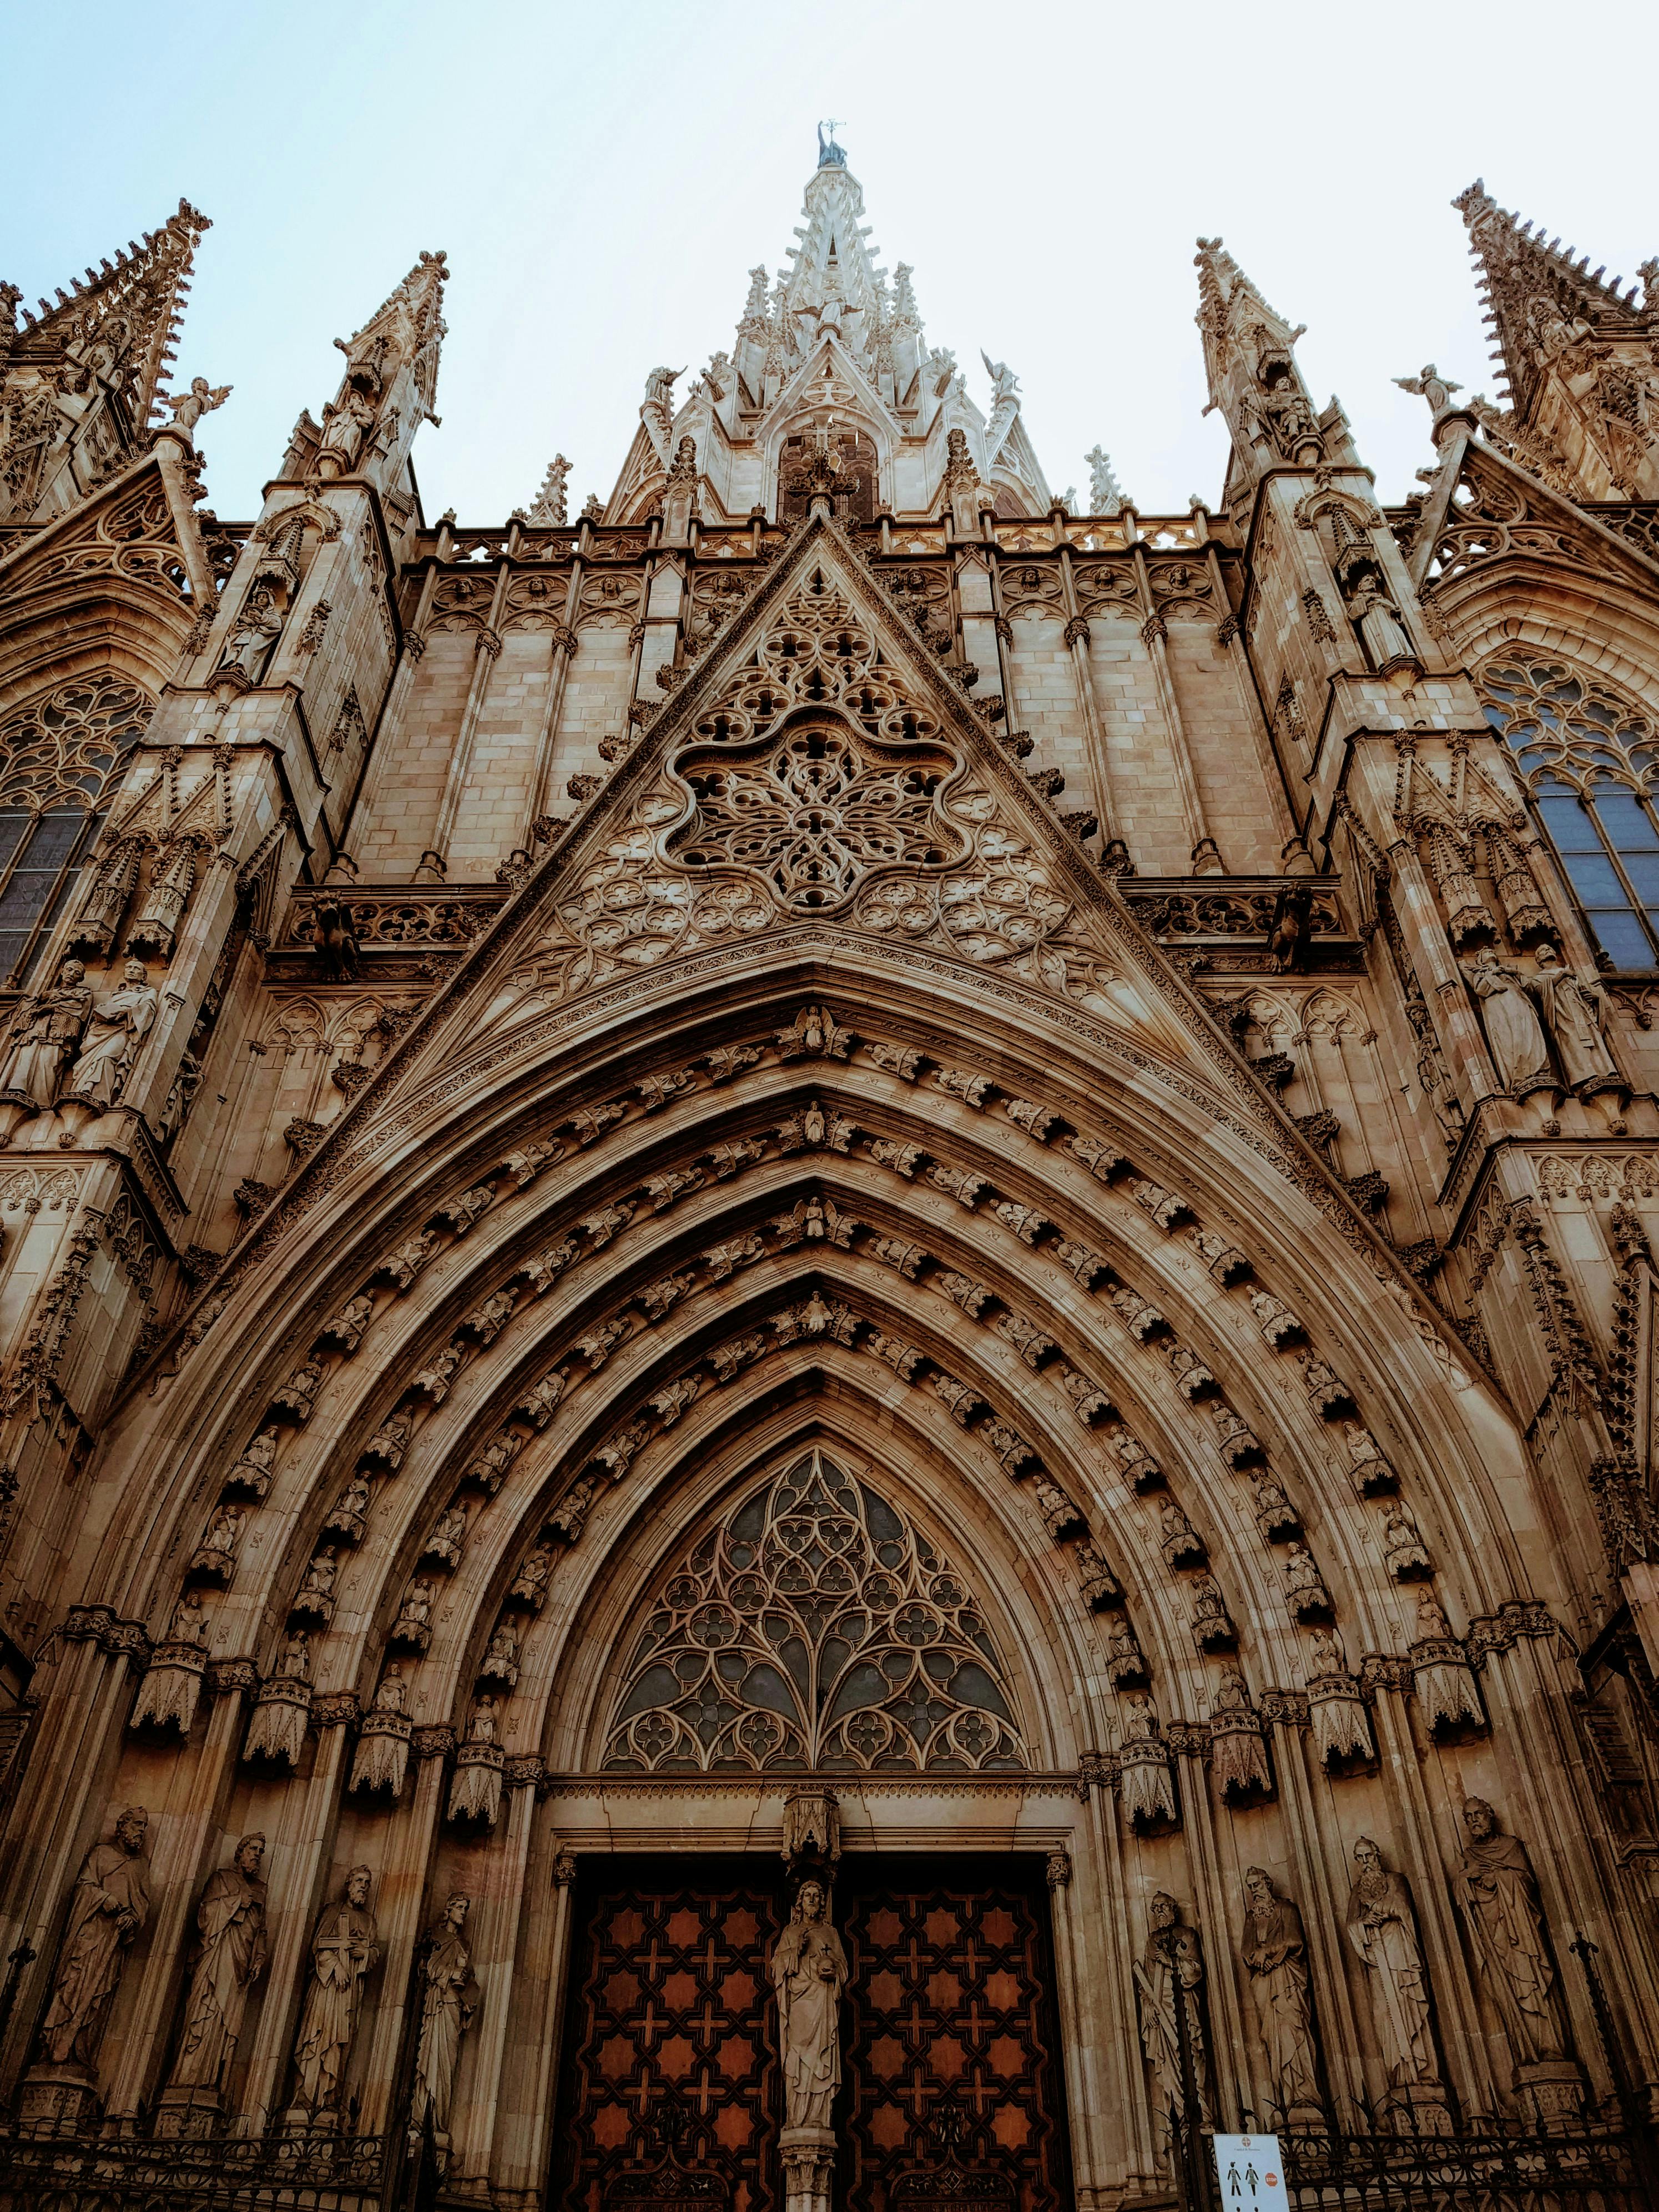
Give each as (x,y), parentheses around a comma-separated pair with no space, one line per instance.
(122,320)
(1250,358)
(551,510)
(405,331)
(1105,492)
(1539,301)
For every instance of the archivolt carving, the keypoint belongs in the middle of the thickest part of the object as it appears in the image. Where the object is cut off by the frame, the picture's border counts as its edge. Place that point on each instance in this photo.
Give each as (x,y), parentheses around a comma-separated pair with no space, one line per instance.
(815,1629)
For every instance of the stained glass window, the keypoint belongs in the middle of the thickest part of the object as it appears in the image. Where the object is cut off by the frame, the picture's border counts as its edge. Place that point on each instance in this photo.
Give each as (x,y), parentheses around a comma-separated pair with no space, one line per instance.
(60,758)
(815,1630)
(1588,755)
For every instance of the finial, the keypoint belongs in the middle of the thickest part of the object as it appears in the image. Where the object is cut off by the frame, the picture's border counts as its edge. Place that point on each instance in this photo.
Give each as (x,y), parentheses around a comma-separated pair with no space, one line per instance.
(830,156)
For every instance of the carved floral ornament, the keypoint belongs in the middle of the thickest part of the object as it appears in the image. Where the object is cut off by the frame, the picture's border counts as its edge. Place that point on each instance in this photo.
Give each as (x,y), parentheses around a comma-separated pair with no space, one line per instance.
(817,784)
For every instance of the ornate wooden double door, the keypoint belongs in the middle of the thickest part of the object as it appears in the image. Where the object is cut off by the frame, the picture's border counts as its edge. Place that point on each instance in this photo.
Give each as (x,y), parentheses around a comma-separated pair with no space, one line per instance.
(952,2099)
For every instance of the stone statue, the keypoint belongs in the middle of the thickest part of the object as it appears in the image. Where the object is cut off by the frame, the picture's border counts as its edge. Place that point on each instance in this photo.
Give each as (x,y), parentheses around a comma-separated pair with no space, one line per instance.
(119,1024)
(1171,1971)
(1574,1008)
(1385,634)
(1498,1893)
(346,427)
(1275,1952)
(657,409)
(215,1555)
(188,409)
(1512,1030)
(230,1919)
(252,1472)
(501,1662)
(413,1621)
(343,1951)
(108,1905)
(809,1973)
(316,1592)
(255,630)
(46,1032)
(1382,1927)
(1148,1789)
(1429,384)
(449,1998)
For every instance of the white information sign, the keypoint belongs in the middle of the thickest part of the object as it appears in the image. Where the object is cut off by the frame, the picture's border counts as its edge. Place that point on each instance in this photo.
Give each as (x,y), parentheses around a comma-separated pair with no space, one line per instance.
(1251,2175)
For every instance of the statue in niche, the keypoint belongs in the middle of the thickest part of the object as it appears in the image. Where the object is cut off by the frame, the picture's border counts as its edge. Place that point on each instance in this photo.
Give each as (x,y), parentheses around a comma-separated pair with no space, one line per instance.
(346,426)
(1512,1030)
(449,1998)
(1171,1972)
(343,1949)
(109,1905)
(501,1662)
(215,1555)
(1381,1926)
(47,1032)
(230,1918)
(119,1024)
(809,1973)
(253,633)
(1574,1008)
(382,1759)
(1275,1952)
(252,1472)
(1498,1893)
(1381,626)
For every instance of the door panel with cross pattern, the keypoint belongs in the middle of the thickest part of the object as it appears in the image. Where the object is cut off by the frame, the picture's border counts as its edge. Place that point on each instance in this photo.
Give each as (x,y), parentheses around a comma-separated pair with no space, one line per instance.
(954,2093)
(671,2093)
(672,2096)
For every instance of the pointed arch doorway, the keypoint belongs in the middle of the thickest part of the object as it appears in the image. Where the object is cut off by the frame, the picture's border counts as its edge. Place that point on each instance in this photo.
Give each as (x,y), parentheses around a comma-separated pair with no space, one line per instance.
(810,1634)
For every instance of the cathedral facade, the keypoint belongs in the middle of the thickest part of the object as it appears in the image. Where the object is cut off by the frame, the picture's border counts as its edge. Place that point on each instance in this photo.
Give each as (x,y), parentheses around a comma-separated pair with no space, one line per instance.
(827,1311)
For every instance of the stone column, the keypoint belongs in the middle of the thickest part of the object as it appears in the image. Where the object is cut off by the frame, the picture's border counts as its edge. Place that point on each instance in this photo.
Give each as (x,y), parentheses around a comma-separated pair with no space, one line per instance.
(1206,858)
(186,1833)
(400,1894)
(68,1799)
(298,1847)
(521,2166)
(474,2123)
(1117,2139)
(1113,849)
(486,645)
(1322,1901)
(1458,2020)
(565,644)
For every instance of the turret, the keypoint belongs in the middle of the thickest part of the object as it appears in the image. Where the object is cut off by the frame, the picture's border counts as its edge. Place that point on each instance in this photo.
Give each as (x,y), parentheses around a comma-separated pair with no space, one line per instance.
(1249,355)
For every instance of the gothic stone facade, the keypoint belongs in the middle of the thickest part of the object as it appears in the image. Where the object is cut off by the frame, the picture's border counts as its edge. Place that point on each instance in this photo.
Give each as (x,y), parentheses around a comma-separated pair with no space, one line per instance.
(832,1169)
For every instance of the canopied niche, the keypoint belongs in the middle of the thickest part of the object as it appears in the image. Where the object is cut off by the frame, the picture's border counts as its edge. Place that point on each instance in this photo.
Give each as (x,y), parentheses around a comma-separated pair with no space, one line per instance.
(855,451)
(814,1628)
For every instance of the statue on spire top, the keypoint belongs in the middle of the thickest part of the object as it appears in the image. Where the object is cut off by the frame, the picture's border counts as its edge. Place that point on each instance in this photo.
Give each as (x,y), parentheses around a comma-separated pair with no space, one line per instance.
(830,155)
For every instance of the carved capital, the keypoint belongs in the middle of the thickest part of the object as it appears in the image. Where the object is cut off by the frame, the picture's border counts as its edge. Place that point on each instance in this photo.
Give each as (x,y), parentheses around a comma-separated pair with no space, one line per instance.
(1077,630)
(226,1676)
(433,1742)
(525,1769)
(1058,1870)
(564,1869)
(339,1709)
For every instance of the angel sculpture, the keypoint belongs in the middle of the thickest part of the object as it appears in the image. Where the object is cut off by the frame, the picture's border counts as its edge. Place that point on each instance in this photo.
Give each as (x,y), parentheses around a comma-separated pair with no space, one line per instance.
(202,399)
(1429,384)
(1005,405)
(657,409)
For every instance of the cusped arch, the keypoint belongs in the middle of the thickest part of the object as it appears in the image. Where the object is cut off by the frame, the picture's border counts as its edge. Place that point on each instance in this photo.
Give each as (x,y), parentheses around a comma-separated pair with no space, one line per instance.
(812,1628)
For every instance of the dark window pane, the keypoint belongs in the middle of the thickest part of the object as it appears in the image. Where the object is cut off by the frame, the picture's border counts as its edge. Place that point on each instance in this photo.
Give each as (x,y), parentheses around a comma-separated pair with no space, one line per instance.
(12,829)
(1642,869)
(1629,825)
(1623,939)
(1594,879)
(1570,825)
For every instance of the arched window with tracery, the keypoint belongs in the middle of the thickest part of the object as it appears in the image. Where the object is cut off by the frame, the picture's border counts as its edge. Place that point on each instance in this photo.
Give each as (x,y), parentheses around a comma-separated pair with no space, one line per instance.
(61,756)
(1589,754)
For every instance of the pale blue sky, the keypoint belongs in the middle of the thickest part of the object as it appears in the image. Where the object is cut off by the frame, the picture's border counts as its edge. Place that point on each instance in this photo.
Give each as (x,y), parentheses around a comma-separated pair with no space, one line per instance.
(603,178)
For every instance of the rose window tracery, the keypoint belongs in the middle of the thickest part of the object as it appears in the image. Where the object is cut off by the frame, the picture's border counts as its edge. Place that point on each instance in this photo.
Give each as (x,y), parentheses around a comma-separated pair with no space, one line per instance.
(1588,753)
(817,814)
(815,1630)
